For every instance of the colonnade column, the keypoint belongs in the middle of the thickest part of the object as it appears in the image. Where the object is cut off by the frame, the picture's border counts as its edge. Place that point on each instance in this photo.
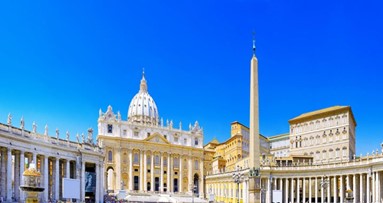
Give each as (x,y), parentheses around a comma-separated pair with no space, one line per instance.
(145,171)
(286,190)
(268,193)
(292,190)
(152,173)
(46,178)
(368,193)
(329,190)
(97,183)
(67,169)
(316,190)
(130,180)
(310,195)
(17,179)
(201,183)
(341,189)
(22,168)
(82,180)
(9,174)
(354,188)
(304,189)
(298,191)
(373,187)
(335,189)
(161,173)
(57,179)
(378,198)
(361,198)
(322,191)
(181,175)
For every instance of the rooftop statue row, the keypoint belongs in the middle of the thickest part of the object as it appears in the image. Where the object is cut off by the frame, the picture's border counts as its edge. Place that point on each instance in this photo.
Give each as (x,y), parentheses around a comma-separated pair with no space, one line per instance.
(88,140)
(110,116)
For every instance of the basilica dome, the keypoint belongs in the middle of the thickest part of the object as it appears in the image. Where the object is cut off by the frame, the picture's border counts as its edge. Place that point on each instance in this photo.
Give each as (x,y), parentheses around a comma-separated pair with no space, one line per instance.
(142,108)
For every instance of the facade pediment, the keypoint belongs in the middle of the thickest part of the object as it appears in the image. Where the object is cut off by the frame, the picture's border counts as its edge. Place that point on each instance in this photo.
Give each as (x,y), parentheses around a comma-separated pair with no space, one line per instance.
(157,138)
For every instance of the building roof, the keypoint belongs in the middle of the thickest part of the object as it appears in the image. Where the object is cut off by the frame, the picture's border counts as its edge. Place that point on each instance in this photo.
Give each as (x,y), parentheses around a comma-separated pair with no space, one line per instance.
(279,137)
(320,113)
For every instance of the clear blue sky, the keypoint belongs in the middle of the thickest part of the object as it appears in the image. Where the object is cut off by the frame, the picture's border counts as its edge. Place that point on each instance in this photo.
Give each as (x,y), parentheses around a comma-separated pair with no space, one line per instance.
(61,61)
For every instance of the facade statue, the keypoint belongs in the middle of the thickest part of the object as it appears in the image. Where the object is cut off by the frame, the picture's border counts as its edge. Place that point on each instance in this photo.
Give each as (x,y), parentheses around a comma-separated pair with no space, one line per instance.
(118,116)
(180,125)
(90,135)
(34,127)
(46,130)
(22,123)
(9,120)
(78,138)
(83,137)
(100,113)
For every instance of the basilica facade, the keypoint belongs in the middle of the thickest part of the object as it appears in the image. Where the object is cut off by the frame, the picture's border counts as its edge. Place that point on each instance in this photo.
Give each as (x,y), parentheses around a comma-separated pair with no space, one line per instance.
(145,155)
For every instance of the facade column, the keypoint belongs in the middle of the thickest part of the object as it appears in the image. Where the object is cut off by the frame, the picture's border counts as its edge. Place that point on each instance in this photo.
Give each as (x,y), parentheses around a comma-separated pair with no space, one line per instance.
(22,168)
(286,190)
(316,190)
(162,172)
(34,159)
(180,189)
(335,189)
(202,181)
(57,179)
(190,171)
(310,189)
(168,175)
(46,178)
(141,182)
(356,199)
(341,189)
(130,180)
(9,174)
(292,190)
(304,189)
(145,172)
(117,181)
(377,186)
(97,195)
(368,192)
(152,173)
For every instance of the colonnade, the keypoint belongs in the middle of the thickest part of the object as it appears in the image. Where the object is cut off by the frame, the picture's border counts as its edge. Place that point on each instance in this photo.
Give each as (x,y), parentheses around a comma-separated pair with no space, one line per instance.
(362,187)
(228,191)
(14,161)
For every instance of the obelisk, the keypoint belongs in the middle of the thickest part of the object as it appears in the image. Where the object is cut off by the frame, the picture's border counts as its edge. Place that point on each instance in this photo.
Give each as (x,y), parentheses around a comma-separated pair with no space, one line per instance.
(254,151)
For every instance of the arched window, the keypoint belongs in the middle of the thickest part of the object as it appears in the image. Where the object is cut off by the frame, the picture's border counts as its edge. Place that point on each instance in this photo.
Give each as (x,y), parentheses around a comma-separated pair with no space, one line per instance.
(110,156)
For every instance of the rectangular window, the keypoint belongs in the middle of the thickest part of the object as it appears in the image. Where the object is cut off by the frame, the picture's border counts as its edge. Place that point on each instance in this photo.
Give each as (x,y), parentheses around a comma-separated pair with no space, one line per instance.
(148,134)
(196,141)
(176,139)
(176,163)
(110,128)
(135,158)
(157,160)
(135,133)
(185,141)
(196,165)
(124,132)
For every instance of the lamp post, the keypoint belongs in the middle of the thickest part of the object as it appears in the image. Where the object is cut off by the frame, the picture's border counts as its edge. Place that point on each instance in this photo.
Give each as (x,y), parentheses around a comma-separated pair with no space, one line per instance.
(192,188)
(238,178)
(324,183)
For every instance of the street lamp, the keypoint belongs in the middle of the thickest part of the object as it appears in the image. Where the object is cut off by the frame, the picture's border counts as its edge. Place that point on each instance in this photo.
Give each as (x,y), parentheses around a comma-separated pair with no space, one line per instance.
(193,188)
(238,178)
(324,183)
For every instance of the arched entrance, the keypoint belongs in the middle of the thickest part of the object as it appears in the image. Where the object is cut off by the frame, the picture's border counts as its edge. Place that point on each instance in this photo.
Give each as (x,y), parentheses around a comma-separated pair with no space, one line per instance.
(196,184)
(175,185)
(156,184)
(110,179)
